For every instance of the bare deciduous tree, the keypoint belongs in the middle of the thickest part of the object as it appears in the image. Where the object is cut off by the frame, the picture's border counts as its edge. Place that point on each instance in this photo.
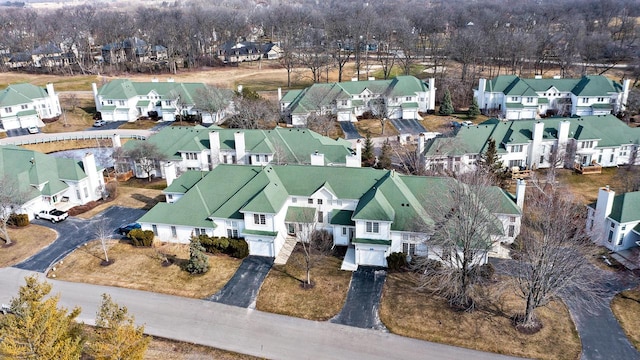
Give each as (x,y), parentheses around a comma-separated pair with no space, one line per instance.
(102,232)
(145,155)
(11,198)
(313,242)
(213,101)
(321,123)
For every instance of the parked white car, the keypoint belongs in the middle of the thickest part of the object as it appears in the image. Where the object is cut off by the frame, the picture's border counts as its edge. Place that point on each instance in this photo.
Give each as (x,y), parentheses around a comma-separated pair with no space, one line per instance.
(53,215)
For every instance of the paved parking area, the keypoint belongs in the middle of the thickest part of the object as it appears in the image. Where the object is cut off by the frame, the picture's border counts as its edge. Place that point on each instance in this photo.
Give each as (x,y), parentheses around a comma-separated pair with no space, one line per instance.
(242,289)
(73,233)
(17,132)
(349,130)
(363,300)
(408,126)
(110,125)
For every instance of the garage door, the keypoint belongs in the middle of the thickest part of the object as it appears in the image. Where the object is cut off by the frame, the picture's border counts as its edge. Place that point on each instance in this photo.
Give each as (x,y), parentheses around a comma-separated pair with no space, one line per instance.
(260,248)
(9,124)
(370,256)
(528,114)
(122,115)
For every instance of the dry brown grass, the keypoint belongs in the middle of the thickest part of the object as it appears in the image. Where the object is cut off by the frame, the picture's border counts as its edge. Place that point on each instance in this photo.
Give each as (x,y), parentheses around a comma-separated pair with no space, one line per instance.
(585,187)
(27,241)
(626,308)
(373,127)
(174,350)
(67,145)
(442,123)
(74,118)
(142,269)
(407,312)
(281,292)
(139,124)
(130,197)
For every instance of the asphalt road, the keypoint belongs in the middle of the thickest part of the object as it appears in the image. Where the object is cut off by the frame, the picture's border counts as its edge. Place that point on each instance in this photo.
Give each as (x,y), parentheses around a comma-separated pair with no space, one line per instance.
(408,126)
(73,233)
(363,299)
(247,331)
(243,287)
(110,125)
(349,130)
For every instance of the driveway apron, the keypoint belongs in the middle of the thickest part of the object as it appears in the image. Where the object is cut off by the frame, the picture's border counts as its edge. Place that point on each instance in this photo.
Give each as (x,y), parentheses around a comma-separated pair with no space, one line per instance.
(349,130)
(363,300)
(408,126)
(242,289)
(75,232)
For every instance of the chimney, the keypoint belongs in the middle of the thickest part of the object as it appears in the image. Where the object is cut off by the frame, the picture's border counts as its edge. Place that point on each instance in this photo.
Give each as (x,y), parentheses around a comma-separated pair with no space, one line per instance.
(604,204)
(279,94)
(170,80)
(521,186)
(90,169)
(432,94)
(557,77)
(50,91)
(354,79)
(170,172)
(240,87)
(355,159)
(371,78)
(538,77)
(535,144)
(359,149)
(115,141)
(154,80)
(625,95)
(214,147)
(240,150)
(317,159)
(421,139)
(94,87)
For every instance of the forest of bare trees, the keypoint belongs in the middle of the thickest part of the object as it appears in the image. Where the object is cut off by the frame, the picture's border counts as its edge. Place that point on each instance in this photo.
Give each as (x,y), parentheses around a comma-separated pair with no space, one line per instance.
(490,37)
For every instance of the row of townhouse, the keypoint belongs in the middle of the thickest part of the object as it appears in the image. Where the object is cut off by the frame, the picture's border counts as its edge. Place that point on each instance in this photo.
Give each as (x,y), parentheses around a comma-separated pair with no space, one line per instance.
(47,181)
(237,52)
(513,98)
(560,142)
(26,105)
(402,97)
(199,148)
(373,212)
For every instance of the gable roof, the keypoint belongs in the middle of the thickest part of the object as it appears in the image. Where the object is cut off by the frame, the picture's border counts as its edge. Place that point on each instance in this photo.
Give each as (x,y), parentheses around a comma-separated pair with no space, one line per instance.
(229,190)
(122,89)
(607,129)
(18,94)
(590,85)
(626,207)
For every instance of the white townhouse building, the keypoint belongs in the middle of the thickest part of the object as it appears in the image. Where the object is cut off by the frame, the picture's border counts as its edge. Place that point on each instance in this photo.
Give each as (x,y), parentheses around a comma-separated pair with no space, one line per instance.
(613,221)
(25,105)
(515,98)
(601,140)
(50,182)
(373,212)
(125,100)
(402,97)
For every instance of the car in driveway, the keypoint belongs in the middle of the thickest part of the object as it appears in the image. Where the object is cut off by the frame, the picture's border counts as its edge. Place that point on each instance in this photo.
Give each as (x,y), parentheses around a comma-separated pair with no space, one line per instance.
(467,123)
(33,130)
(99,123)
(53,215)
(124,229)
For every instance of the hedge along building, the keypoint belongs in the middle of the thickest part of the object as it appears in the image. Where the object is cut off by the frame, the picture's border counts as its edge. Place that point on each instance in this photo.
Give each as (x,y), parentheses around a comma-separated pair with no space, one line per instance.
(25,105)
(558,142)
(374,212)
(48,182)
(199,148)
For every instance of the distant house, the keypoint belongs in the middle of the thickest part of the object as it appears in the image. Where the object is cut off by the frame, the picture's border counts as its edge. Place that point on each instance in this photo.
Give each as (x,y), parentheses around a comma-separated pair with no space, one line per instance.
(19,60)
(372,212)
(132,49)
(271,51)
(24,105)
(558,142)
(402,97)
(199,148)
(237,52)
(51,182)
(49,55)
(613,220)
(125,100)
(515,98)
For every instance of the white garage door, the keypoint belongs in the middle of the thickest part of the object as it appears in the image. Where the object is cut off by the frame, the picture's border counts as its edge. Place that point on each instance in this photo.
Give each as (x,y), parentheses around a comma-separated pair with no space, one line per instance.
(261,248)
(122,115)
(527,114)
(370,256)
(9,124)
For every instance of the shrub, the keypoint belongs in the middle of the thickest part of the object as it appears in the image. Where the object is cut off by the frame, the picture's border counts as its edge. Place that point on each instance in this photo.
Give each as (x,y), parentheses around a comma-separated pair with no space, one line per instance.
(198,261)
(486,271)
(238,248)
(141,237)
(396,261)
(19,220)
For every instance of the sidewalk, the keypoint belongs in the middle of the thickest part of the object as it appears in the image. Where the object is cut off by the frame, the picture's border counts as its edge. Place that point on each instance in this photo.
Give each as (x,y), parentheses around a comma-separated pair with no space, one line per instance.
(242,330)
(49,137)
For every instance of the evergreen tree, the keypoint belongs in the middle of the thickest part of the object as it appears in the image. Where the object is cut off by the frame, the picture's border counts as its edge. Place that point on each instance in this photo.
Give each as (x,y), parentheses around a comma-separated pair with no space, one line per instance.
(198,260)
(115,336)
(474,109)
(491,164)
(446,106)
(368,155)
(37,329)
(384,160)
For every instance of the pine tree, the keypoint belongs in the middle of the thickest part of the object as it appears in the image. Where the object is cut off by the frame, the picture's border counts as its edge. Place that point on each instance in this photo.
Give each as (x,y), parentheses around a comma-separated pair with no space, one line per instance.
(198,260)
(368,156)
(115,336)
(446,106)
(384,160)
(491,164)
(37,329)
(474,109)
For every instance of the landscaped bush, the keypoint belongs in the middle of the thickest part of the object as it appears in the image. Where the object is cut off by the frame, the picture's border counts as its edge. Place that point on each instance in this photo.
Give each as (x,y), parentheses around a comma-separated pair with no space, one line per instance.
(198,261)
(486,271)
(19,220)
(141,237)
(238,248)
(396,261)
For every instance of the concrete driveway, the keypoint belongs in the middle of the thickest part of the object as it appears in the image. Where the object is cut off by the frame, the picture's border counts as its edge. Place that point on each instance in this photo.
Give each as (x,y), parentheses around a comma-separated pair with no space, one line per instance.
(349,130)
(363,300)
(409,126)
(73,233)
(242,289)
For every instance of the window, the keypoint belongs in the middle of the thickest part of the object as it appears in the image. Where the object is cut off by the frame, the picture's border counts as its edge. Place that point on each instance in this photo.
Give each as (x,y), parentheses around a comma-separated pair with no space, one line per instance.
(320,216)
(512,219)
(610,238)
(586,144)
(310,201)
(109,102)
(224,159)
(170,196)
(621,239)
(78,194)
(511,230)
(344,230)
(86,192)
(291,229)
(585,100)
(541,158)
(408,98)
(514,98)
(600,99)
(232,233)
(154,227)
(344,102)
(121,102)
(529,99)
(259,219)
(611,159)
(191,156)
(266,158)
(24,106)
(339,202)
(168,102)
(294,200)
(200,231)
(372,227)
(174,232)
(409,249)
(516,148)
(319,201)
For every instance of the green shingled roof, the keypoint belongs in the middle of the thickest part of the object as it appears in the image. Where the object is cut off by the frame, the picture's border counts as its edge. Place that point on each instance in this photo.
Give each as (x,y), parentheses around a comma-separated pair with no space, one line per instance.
(21,94)
(371,241)
(626,207)
(342,217)
(122,89)
(594,85)
(300,214)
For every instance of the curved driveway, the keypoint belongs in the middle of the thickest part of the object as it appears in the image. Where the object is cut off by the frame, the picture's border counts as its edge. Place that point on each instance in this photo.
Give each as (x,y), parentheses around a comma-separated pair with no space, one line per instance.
(241,330)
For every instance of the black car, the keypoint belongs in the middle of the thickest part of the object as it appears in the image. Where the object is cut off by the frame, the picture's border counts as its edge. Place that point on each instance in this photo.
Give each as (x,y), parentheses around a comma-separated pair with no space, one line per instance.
(124,229)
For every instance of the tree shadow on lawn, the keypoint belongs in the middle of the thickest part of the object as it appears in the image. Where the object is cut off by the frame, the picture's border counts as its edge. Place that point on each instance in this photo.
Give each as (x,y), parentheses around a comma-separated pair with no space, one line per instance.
(149,202)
